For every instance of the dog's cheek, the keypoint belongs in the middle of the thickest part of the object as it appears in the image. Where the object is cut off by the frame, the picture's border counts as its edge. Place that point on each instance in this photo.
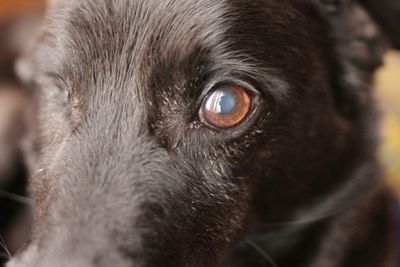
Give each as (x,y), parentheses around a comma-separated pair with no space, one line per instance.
(51,130)
(53,110)
(207,215)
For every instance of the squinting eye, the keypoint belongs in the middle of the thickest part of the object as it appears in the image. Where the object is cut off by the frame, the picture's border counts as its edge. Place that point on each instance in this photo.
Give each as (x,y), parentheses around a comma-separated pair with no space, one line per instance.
(226,106)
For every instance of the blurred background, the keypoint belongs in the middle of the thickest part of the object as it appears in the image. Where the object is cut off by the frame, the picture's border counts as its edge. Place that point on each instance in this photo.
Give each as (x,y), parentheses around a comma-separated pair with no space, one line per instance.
(10,8)
(388,95)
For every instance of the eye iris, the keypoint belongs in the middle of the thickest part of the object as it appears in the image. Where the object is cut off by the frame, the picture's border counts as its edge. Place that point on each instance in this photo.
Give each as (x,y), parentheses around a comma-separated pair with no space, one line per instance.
(226,107)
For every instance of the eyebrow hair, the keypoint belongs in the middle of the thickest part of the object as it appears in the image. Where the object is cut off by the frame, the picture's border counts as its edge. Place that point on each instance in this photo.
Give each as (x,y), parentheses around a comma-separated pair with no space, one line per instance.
(236,64)
(211,35)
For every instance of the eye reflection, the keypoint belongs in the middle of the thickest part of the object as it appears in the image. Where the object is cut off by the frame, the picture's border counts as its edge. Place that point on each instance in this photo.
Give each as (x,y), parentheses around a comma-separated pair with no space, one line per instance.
(221,102)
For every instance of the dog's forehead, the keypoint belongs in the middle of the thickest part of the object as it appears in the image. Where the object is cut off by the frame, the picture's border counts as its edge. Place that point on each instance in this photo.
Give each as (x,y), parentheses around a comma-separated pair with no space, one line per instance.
(134,31)
(126,40)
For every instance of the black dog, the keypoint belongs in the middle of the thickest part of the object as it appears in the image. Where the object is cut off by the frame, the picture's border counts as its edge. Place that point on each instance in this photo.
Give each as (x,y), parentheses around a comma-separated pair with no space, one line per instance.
(209,133)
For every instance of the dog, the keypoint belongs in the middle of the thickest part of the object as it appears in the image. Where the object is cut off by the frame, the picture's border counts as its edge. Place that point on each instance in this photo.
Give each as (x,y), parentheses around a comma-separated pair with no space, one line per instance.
(209,133)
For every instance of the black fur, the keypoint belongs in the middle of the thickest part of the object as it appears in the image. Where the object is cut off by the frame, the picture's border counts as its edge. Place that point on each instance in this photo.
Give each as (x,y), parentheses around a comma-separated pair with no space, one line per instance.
(127,175)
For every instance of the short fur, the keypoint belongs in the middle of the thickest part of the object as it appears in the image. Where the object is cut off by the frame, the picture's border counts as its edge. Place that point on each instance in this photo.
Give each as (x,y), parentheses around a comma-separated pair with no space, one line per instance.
(127,175)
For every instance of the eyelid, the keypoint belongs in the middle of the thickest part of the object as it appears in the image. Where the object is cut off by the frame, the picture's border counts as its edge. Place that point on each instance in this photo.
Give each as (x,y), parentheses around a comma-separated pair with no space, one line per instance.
(49,79)
(66,83)
(58,78)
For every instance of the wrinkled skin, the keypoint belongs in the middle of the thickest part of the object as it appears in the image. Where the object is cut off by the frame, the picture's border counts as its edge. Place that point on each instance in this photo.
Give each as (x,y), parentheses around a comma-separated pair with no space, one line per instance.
(128,175)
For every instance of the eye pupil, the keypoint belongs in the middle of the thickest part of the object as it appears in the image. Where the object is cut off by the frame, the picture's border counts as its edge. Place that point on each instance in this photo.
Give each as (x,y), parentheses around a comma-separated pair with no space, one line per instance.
(225,107)
(221,102)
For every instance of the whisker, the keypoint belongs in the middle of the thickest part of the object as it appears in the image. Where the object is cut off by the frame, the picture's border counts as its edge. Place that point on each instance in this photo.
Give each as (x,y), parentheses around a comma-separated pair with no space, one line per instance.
(339,201)
(15,197)
(307,220)
(262,252)
(5,248)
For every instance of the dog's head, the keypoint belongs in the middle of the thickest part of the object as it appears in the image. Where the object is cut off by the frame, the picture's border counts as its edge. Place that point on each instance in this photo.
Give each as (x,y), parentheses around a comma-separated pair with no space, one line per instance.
(167,127)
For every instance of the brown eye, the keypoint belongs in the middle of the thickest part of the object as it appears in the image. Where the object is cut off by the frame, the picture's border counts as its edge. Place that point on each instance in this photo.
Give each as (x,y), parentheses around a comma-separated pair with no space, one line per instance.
(226,107)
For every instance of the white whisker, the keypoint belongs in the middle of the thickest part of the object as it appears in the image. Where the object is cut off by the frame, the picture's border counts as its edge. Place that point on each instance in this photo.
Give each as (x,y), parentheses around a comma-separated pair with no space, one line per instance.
(262,252)
(5,248)
(306,221)
(15,197)
(340,200)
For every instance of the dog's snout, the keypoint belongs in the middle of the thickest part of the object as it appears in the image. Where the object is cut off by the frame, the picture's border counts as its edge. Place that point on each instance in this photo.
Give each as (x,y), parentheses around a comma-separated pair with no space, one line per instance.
(116,182)
(81,257)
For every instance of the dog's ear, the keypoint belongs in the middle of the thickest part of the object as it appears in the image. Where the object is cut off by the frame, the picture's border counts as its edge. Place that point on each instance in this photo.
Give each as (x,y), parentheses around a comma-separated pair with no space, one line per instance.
(17,36)
(355,33)
(387,14)
(23,65)
(355,44)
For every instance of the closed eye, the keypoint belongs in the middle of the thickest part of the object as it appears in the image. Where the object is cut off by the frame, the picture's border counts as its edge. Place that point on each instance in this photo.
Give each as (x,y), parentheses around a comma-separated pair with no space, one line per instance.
(54,86)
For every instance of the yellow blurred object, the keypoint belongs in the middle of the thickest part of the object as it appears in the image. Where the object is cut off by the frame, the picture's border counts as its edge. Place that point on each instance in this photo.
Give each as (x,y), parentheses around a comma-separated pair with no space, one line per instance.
(388,95)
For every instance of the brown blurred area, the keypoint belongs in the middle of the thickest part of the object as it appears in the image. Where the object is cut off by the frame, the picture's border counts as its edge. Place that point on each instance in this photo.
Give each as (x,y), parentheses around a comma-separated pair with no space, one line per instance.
(10,8)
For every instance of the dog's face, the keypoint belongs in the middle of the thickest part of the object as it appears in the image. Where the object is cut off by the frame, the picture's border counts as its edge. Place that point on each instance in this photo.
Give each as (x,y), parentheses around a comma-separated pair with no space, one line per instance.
(167,127)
